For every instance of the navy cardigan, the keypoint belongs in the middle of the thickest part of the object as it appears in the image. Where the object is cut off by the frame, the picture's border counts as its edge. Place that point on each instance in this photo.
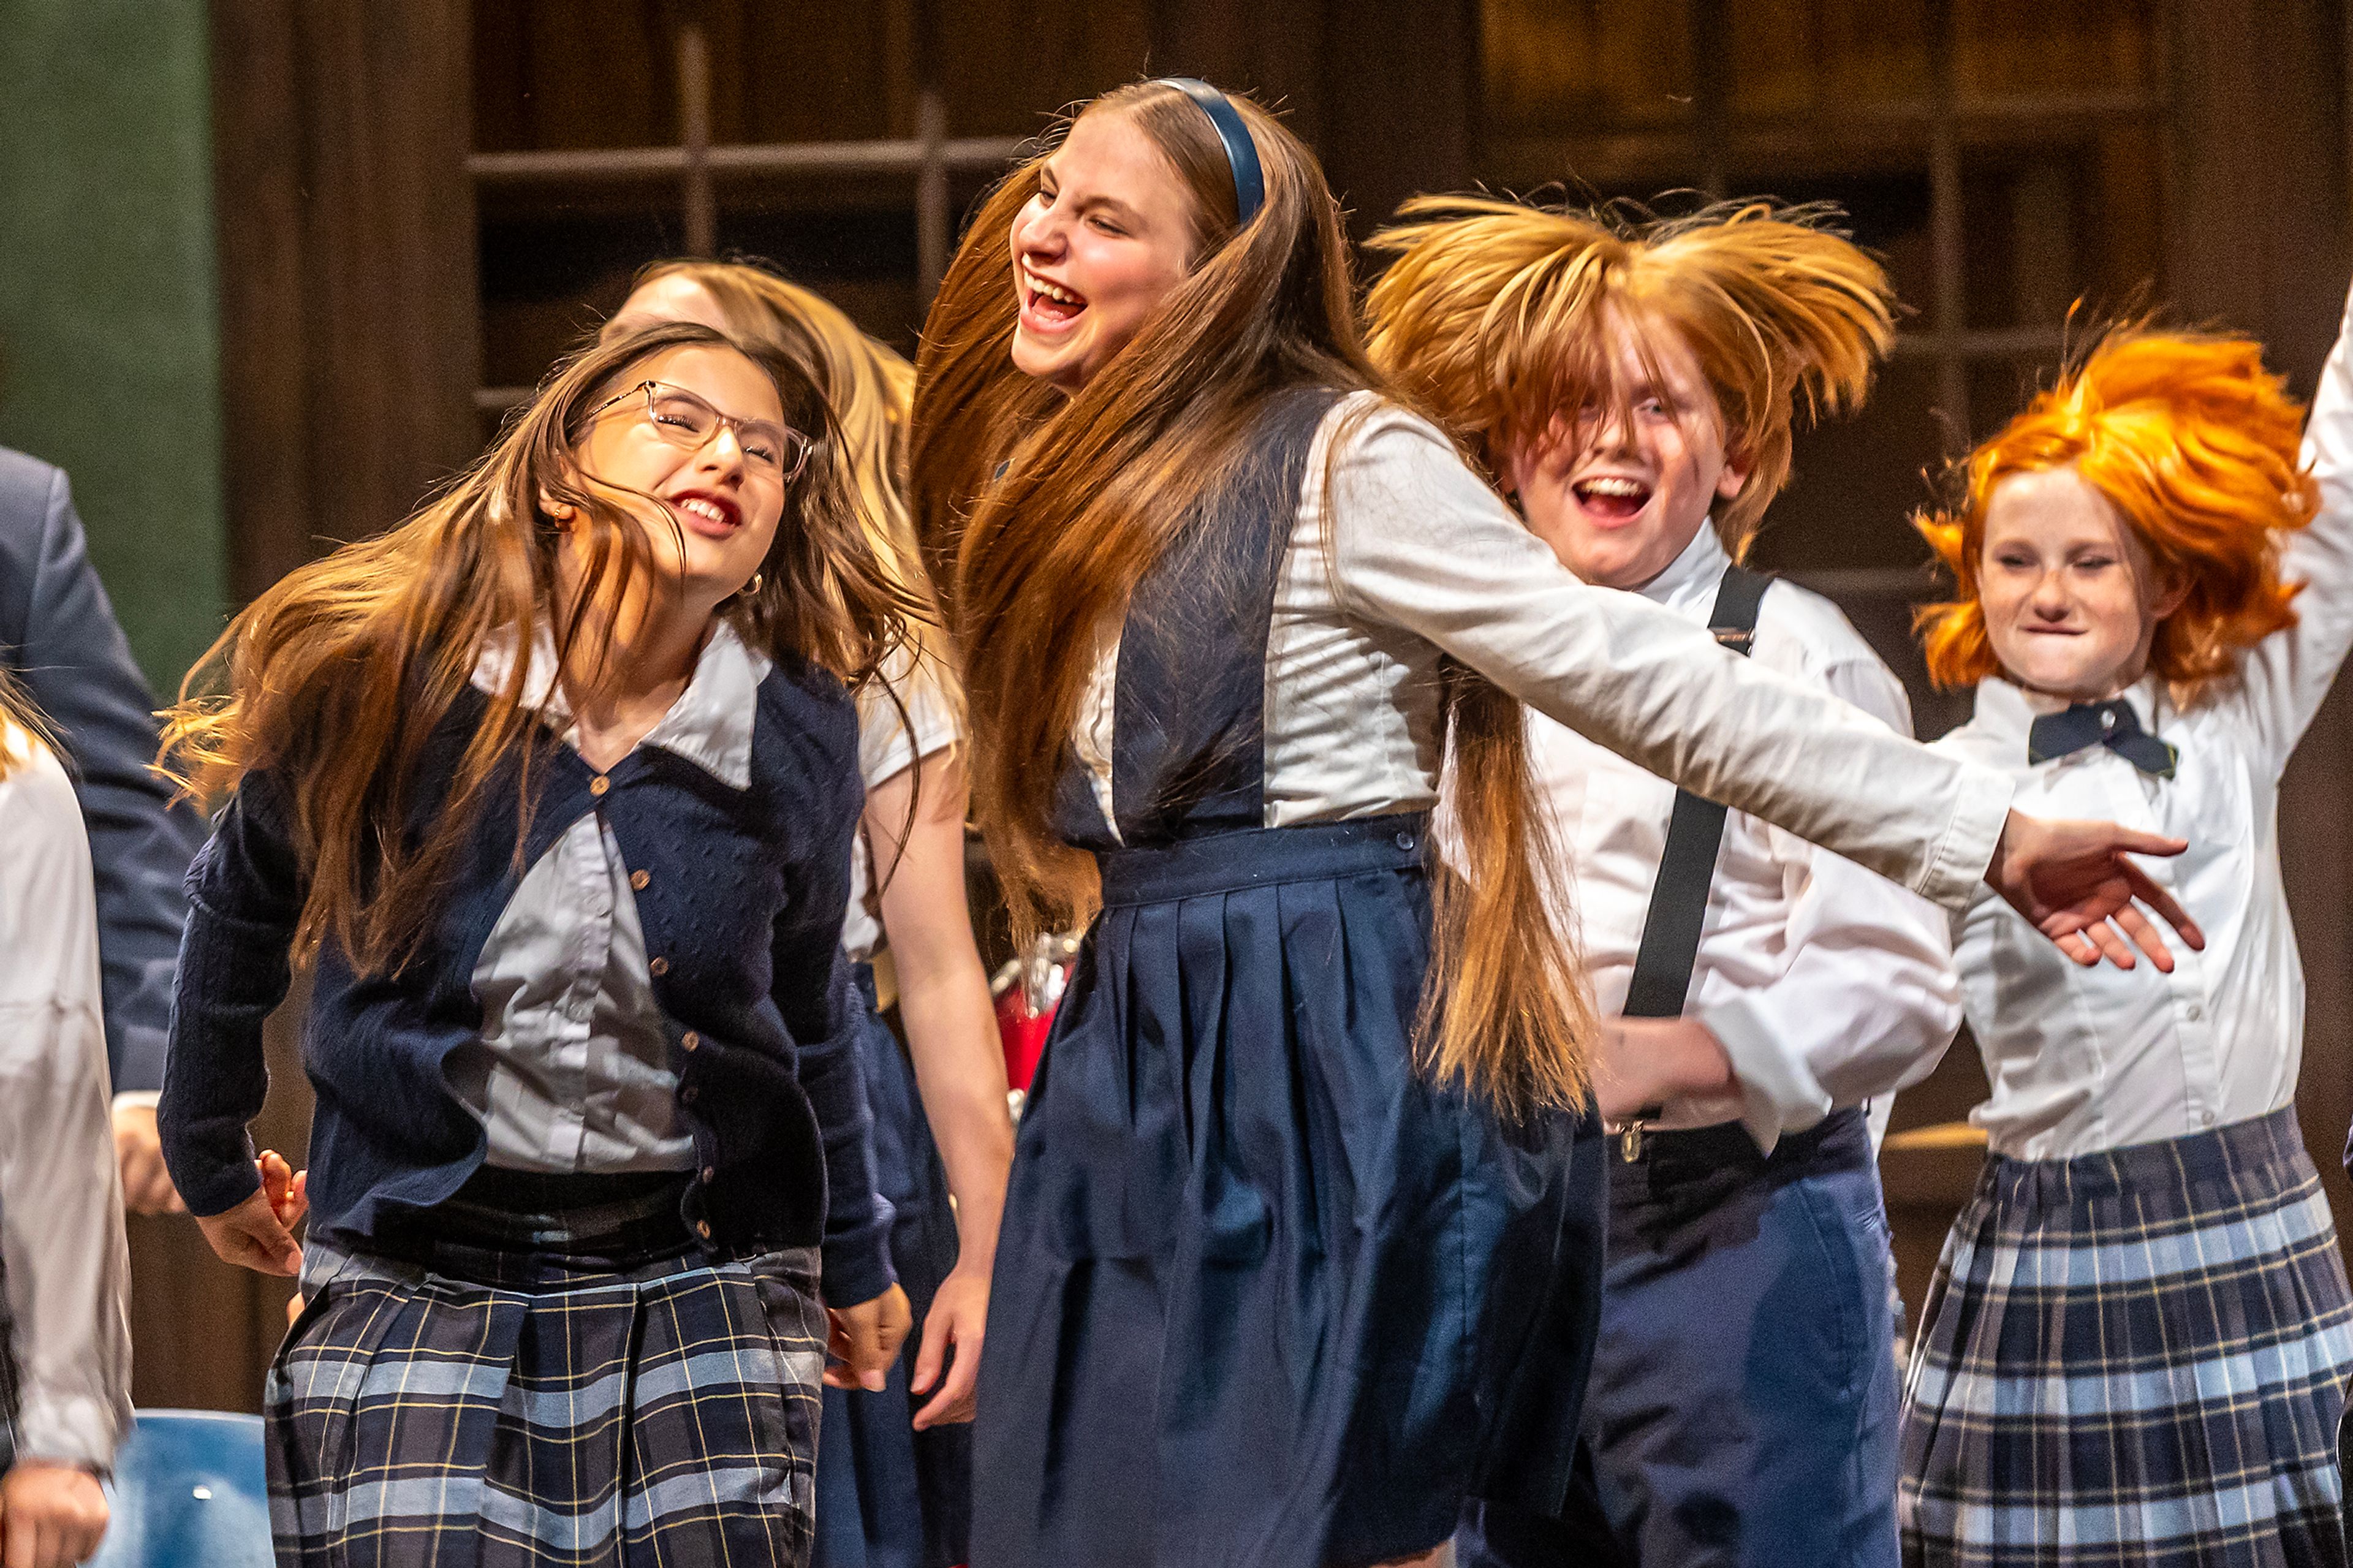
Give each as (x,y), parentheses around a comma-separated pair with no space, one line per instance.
(742,907)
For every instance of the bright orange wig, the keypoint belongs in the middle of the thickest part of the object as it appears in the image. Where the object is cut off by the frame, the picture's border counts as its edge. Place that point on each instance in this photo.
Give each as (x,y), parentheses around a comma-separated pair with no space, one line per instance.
(2194,444)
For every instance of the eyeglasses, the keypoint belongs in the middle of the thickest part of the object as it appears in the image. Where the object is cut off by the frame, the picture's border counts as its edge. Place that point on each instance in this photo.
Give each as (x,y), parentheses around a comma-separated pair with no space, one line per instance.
(686,421)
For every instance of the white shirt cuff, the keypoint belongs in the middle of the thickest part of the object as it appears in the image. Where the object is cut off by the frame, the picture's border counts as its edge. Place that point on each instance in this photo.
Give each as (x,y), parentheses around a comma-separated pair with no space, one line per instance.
(1779,1092)
(1966,849)
(68,1429)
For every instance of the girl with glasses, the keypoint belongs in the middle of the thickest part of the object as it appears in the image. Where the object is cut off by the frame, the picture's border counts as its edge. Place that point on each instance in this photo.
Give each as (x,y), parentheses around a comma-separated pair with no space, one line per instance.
(553,787)
(894,1472)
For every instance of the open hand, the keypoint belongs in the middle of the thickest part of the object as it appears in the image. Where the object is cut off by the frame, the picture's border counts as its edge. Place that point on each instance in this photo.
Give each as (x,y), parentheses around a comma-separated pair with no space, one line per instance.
(861,1341)
(959,1317)
(2073,883)
(52,1515)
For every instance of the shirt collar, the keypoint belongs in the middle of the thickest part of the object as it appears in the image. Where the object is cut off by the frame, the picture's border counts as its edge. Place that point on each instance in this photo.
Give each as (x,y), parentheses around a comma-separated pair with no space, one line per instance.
(710,725)
(2006,710)
(1691,580)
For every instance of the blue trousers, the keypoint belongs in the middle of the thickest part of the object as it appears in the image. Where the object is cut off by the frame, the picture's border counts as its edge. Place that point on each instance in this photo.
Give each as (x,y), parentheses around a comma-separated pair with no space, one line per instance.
(1742,1407)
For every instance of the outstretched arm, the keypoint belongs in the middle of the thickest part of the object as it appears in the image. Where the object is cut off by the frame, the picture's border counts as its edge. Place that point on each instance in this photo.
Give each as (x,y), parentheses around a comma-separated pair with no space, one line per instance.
(1420,543)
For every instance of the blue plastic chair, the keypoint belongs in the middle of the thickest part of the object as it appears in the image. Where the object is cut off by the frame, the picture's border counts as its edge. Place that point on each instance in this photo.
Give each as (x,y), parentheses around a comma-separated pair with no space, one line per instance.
(190,1491)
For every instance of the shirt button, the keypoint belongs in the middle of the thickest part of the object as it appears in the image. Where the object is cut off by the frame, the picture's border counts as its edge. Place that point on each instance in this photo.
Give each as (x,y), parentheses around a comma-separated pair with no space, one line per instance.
(2206,1117)
(660,966)
(639,880)
(600,784)
(2195,1013)
(690,1039)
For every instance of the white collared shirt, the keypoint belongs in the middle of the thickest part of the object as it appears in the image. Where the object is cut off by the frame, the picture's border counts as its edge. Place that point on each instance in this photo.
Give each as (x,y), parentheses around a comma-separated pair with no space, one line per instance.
(2087,1060)
(1825,983)
(1420,561)
(571,1072)
(67,1266)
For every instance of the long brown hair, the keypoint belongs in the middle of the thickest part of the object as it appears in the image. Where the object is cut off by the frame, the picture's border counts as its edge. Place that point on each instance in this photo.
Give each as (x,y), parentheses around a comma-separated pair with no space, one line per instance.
(1092,490)
(336,676)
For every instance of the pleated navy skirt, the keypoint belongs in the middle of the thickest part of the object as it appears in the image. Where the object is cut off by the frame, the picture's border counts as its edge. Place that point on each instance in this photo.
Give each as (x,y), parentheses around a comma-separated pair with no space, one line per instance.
(1265,1298)
(887,1495)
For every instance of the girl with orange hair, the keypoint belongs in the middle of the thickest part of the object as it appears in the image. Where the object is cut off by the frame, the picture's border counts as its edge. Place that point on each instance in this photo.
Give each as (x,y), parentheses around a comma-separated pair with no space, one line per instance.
(2136,1341)
(1724,1426)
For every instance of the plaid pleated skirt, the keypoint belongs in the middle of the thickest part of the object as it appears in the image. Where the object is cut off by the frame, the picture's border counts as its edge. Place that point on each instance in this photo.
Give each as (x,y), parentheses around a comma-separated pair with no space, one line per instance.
(2134,1357)
(542,1381)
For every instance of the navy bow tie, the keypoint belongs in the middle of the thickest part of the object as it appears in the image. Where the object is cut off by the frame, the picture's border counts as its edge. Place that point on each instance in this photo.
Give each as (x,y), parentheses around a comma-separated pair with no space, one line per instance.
(2113,724)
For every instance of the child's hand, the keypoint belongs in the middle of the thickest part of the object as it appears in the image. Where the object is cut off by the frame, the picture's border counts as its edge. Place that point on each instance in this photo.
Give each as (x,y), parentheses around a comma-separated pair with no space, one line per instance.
(289,1189)
(250,1237)
(863,1340)
(51,1516)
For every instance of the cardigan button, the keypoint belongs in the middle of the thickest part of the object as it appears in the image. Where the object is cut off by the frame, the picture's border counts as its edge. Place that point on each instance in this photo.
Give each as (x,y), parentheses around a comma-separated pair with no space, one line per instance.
(709,1174)
(703,1228)
(690,1039)
(688,1095)
(639,880)
(660,965)
(600,784)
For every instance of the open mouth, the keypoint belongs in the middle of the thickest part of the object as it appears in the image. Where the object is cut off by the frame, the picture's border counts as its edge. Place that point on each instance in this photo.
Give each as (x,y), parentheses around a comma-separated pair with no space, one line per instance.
(710,516)
(1048,306)
(1611,498)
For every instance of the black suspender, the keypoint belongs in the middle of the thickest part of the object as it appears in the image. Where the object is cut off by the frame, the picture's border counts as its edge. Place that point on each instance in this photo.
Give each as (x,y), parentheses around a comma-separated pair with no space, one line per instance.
(1663,965)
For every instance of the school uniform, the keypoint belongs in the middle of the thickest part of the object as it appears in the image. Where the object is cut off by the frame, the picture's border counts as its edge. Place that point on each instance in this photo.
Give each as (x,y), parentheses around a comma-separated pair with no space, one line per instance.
(573,1168)
(2136,1341)
(887,1495)
(1743,1402)
(1266,1295)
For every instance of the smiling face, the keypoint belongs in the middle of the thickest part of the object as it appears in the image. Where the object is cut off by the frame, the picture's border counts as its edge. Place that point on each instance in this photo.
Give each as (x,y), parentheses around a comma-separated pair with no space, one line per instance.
(1619,499)
(712,511)
(2072,599)
(1108,237)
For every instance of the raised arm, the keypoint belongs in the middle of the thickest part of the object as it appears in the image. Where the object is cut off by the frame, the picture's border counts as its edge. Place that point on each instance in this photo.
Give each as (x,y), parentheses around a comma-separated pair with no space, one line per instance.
(1420,543)
(2286,675)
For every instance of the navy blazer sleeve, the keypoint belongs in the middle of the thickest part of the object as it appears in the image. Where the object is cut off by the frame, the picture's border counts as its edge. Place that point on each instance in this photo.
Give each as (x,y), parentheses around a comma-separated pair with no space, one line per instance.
(58,634)
(821,1007)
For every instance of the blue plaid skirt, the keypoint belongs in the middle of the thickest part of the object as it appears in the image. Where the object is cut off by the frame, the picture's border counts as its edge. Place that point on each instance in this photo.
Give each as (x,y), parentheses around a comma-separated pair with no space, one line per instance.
(2134,1357)
(541,1384)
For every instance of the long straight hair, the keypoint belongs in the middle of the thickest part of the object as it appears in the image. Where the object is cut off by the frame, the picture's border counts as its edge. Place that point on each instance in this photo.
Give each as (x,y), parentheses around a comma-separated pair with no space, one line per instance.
(1042,514)
(335,679)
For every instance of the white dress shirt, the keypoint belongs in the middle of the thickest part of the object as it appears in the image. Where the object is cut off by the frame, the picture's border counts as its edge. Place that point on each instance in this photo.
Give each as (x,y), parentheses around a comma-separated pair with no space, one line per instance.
(1419,561)
(891,739)
(2087,1060)
(68,1267)
(1825,983)
(571,1072)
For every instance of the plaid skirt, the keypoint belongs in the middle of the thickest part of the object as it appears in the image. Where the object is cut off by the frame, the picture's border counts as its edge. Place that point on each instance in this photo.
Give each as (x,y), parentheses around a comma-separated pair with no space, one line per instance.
(2137,1357)
(546,1383)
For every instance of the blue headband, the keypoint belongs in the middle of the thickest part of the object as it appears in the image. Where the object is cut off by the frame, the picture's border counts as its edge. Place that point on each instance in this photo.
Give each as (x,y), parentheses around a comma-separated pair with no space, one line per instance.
(1241,153)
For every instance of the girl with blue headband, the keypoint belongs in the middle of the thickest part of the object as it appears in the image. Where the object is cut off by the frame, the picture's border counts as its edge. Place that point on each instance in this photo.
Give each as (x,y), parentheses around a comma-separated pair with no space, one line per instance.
(1302,1248)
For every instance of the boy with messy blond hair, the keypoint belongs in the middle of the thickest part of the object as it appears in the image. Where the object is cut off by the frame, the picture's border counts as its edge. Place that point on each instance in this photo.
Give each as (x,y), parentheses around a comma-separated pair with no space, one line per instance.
(1631,384)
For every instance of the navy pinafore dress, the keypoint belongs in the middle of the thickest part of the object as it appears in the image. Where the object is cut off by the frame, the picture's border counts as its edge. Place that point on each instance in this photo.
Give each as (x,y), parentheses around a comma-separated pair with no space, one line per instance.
(1264,1296)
